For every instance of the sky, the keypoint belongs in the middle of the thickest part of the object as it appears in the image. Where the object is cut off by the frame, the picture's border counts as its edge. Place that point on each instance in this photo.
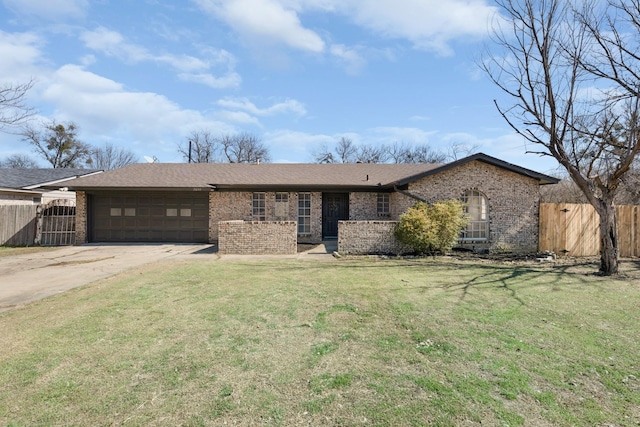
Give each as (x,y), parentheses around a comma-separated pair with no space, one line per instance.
(298,74)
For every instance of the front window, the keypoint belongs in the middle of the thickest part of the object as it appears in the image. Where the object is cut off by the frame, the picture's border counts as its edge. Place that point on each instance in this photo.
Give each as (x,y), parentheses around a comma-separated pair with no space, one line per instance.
(259,211)
(304,213)
(477,210)
(282,206)
(383,203)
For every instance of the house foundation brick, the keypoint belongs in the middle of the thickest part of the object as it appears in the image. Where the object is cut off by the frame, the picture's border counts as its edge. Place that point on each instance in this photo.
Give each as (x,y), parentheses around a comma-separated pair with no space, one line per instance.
(368,237)
(257,237)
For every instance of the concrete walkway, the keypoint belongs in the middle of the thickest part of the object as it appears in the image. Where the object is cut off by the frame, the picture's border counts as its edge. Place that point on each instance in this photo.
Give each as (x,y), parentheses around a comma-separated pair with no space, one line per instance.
(30,277)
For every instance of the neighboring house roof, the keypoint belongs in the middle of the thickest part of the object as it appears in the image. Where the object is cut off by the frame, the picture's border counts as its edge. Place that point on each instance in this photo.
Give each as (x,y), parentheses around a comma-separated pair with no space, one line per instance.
(28,179)
(224,176)
(30,193)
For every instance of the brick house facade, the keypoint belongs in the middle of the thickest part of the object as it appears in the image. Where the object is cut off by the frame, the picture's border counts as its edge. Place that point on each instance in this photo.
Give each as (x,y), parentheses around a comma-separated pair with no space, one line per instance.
(507,198)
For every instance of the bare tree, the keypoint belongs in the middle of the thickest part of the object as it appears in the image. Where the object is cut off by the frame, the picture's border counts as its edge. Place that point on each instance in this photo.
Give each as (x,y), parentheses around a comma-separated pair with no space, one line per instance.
(58,144)
(425,154)
(367,153)
(398,152)
(406,153)
(346,150)
(201,147)
(110,157)
(19,161)
(13,108)
(572,78)
(323,155)
(457,150)
(244,148)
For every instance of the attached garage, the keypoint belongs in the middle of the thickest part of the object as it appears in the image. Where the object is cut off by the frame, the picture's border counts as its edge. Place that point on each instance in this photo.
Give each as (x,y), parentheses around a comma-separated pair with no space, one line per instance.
(127,216)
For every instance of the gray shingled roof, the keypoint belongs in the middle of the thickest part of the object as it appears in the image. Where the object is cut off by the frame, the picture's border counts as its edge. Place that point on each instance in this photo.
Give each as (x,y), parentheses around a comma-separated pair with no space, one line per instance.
(33,178)
(359,176)
(234,175)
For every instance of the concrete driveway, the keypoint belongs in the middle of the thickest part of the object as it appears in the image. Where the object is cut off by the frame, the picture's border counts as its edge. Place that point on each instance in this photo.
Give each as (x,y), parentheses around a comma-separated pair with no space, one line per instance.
(30,277)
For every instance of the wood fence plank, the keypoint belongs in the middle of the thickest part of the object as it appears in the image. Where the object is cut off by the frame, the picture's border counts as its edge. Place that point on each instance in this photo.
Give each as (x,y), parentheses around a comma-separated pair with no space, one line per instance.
(545,237)
(578,229)
(591,232)
(624,224)
(17,224)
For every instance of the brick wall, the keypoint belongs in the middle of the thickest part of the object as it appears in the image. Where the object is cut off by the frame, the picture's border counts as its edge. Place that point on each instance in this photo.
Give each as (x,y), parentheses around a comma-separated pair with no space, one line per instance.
(81,217)
(257,237)
(368,237)
(227,206)
(231,206)
(513,202)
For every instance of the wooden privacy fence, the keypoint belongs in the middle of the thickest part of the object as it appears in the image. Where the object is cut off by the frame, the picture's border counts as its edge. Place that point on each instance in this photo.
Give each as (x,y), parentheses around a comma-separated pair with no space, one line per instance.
(17,224)
(53,224)
(574,229)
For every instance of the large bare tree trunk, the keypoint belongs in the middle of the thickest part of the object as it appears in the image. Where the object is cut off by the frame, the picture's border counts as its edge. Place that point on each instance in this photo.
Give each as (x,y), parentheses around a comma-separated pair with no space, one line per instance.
(609,251)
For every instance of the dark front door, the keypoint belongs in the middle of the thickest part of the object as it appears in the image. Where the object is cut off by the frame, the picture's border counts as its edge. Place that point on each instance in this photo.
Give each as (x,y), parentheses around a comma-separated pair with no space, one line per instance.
(335,207)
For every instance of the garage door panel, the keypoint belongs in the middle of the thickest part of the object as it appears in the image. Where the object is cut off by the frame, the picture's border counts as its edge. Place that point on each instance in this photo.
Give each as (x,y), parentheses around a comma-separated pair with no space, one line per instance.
(141,217)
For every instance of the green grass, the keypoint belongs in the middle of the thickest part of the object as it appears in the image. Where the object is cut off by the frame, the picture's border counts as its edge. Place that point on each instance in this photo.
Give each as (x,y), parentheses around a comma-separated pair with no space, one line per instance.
(352,342)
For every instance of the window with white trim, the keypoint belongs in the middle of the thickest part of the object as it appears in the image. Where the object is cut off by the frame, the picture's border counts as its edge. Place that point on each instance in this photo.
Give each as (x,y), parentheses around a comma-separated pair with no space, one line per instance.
(282,206)
(304,213)
(383,204)
(259,211)
(476,207)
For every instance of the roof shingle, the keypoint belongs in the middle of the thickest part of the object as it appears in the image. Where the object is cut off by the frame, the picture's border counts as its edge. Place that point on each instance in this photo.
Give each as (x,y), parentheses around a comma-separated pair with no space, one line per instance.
(362,176)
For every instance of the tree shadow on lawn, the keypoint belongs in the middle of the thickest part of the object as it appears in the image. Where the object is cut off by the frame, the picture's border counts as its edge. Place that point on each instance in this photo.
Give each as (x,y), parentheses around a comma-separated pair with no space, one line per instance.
(565,275)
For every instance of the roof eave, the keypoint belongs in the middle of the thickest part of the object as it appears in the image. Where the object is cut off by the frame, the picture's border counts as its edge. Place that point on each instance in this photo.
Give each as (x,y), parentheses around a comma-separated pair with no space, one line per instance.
(302,187)
(146,188)
(50,184)
(481,157)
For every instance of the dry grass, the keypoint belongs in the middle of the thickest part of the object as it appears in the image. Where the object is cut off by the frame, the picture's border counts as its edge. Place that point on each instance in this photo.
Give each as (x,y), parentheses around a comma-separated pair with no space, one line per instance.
(19,250)
(350,343)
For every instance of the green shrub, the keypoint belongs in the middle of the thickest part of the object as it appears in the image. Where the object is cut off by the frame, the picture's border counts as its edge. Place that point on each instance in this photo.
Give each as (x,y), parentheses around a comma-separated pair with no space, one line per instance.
(430,228)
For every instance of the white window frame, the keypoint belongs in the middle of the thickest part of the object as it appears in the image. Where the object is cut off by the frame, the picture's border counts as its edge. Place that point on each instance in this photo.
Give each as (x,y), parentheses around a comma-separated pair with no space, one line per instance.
(304,213)
(476,206)
(259,206)
(281,206)
(383,204)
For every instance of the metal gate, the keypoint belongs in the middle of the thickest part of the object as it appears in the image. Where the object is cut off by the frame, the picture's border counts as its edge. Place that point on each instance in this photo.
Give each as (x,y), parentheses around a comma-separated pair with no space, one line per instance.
(57,223)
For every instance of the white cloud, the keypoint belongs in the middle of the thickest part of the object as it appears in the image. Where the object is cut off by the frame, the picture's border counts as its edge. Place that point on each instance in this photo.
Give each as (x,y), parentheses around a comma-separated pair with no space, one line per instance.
(290,106)
(19,52)
(391,134)
(238,117)
(104,109)
(350,57)
(287,144)
(190,68)
(428,24)
(265,21)
(52,10)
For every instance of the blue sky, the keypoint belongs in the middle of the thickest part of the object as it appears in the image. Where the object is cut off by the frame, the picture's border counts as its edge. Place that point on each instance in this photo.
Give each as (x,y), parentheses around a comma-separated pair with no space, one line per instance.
(299,74)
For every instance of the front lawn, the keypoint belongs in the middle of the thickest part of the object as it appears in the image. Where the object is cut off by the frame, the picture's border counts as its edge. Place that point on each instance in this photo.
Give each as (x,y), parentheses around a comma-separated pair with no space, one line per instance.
(359,342)
(19,250)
